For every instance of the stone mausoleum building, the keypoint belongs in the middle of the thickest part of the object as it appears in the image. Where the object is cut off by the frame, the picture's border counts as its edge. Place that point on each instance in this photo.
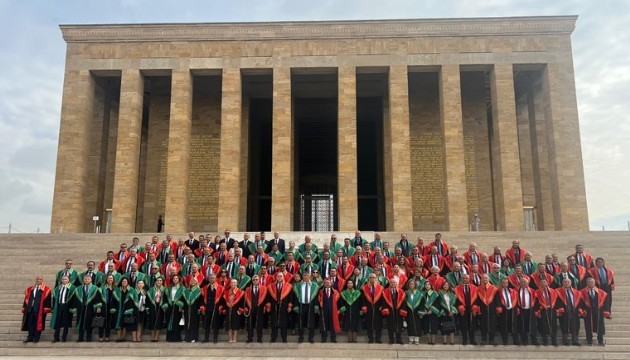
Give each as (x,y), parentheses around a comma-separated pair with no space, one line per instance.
(391,125)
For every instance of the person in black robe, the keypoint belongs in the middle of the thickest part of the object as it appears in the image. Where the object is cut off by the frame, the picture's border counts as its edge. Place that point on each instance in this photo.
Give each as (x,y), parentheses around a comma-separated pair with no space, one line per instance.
(109,308)
(174,308)
(487,301)
(87,304)
(62,298)
(37,303)
(212,308)
(394,311)
(545,312)
(372,302)
(280,293)
(350,307)
(593,301)
(193,301)
(568,309)
(155,299)
(235,306)
(506,311)
(255,301)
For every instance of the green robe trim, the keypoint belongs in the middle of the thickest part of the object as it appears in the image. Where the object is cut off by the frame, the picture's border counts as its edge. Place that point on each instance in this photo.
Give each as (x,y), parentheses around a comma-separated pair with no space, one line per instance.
(350,297)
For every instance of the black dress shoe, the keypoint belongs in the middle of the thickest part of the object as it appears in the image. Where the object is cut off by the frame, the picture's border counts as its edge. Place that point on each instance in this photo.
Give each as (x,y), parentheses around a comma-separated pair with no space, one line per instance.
(259,341)
(81,340)
(300,341)
(473,343)
(370,341)
(576,344)
(379,341)
(272,341)
(248,341)
(205,341)
(284,341)
(55,341)
(334,341)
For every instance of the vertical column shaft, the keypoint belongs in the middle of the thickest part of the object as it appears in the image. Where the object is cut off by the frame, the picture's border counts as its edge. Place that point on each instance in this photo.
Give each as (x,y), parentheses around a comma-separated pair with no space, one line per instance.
(72,155)
(453,132)
(128,151)
(347,149)
(399,145)
(178,161)
(230,167)
(282,152)
(506,161)
(565,152)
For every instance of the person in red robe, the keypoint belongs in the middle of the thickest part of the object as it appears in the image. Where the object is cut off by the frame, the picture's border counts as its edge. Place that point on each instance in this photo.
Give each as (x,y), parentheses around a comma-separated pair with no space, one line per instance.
(255,301)
(467,308)
(593,300)
(328,298)
(36,305)
(605,280)
(545,312)
(516,253)
(569,310)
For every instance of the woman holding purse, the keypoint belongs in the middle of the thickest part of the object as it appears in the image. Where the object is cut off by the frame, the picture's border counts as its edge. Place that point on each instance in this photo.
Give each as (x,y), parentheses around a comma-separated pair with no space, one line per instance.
(447,311)
(127,310)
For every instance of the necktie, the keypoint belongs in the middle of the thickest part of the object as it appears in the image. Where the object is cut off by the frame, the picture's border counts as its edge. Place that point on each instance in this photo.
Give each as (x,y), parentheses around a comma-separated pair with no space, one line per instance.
(548,298)
(279,291)
(569,299)
(307,293)
(602,275)
(133,277)
(435,260)
(255,290)
(328,292)
(62,295)
(523,300)
(467,295)
(508,300)
(85,293)
(474,258)
(372,290)
(394,296)
(592,293)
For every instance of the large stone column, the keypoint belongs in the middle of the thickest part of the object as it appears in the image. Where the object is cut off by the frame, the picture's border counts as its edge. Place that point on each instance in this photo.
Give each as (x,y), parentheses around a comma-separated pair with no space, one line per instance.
(505,152)
(230,166)
(72,154)
(178,162)
(347,149)
(565,152)
(128,152)
(453,132)
(399,149)
(282,152)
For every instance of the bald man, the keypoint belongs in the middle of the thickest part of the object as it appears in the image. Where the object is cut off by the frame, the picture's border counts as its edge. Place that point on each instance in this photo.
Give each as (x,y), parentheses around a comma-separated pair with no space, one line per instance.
(37,304)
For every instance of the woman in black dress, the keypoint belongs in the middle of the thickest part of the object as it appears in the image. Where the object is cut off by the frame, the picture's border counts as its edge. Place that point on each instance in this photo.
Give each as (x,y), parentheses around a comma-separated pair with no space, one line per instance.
(350,307)
(127,310)
(235,302)
(175,301)
(109,309)
(430,307)
(156,304)
(415,312)
(142,309)
(193,300)
(447,311)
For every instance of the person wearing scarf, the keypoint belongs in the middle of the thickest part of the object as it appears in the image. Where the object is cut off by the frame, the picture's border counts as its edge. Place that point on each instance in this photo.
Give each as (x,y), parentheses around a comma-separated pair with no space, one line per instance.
(351,309)
(156,297)
(193,301)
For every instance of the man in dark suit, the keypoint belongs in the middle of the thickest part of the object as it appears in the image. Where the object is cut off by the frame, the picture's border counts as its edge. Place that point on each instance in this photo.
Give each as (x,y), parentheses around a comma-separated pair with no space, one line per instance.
(276,240)
(37,304)
(192,243)
(229,241)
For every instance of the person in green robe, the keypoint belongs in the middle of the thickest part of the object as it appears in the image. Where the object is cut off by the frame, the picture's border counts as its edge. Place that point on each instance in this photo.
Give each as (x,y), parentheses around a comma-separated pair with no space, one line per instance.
(156,297)
(87,304)
(350,307)
(192,310)
(110,307)
(413,300)
(127,301)
(62,298)
(431,312)
(174,306)
(447,311)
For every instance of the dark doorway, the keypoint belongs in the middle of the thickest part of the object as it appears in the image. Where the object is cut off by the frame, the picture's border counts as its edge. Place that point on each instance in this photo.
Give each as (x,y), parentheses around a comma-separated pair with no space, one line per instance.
(315,120)
(371,93)
(258,90)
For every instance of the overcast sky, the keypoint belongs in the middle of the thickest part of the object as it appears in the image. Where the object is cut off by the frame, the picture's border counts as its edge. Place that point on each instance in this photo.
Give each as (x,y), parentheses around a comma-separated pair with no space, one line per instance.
(32,55)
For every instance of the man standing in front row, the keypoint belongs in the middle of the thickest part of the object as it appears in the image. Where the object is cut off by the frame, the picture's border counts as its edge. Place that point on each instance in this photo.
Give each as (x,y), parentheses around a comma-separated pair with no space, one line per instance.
(35,307)
(61,316)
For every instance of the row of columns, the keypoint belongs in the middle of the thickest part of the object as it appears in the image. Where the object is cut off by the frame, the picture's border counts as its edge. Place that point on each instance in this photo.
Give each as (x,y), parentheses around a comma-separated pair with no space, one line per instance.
(70,187)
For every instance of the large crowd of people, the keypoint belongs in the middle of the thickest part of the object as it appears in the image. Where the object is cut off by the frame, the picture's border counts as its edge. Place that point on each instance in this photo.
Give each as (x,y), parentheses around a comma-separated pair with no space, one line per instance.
(194,289)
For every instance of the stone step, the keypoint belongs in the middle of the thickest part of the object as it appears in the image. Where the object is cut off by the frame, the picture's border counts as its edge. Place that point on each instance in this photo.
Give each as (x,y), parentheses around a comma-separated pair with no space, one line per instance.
(290,350)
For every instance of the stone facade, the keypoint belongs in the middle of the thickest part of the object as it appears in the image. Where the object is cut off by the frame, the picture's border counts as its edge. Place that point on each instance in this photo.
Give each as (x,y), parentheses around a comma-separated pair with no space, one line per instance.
(478,116)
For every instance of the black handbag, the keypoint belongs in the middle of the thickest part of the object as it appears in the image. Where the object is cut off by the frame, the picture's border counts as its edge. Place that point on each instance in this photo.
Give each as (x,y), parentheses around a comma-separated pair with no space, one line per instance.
(448,325)
(98,322)
(128,320)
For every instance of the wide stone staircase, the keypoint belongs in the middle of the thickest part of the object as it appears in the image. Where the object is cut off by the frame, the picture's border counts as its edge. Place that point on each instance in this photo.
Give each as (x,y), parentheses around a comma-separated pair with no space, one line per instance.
(26,255)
